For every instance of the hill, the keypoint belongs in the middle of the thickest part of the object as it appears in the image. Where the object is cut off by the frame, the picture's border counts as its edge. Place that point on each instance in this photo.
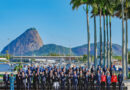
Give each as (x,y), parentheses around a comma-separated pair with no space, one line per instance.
(28,41)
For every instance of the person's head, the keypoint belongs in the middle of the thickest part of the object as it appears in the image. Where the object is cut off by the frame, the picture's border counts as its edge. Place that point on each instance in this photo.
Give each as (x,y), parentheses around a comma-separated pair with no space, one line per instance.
(20,69)
(23,73)
(5,72)
(18,73)
(11,74)
(56,73)
(29,72)
(42,73)
(62,73)
(98,71)
(87,73)
(108,74)
(114,73)
(102,73)
(80,71)
(74,72)
(120,72)
(35,74)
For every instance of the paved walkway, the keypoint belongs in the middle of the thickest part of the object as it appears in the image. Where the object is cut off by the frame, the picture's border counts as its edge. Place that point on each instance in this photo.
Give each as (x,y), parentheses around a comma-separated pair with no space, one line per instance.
(127,84)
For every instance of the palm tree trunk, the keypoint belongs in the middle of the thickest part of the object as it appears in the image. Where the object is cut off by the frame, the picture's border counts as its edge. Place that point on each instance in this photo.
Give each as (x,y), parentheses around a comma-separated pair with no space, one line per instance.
(107,43)
(104,42)
(123,43)
(95,43)
(126,47)
(100,38)
(110,41)
(88,38)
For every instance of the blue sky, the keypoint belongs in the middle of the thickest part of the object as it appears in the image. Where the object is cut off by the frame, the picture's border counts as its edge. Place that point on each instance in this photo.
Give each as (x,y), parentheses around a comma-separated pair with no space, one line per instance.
(55,21)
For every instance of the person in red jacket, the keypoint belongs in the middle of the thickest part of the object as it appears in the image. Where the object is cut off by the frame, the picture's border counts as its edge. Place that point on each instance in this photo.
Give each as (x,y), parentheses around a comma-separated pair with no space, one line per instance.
(114,80)
(103,81)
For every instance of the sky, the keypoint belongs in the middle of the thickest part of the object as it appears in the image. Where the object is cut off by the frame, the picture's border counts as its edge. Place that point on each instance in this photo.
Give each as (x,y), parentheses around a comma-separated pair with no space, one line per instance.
(55,21)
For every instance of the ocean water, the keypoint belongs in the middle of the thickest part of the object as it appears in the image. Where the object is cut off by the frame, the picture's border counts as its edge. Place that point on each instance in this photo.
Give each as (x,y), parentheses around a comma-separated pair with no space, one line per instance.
(5,68)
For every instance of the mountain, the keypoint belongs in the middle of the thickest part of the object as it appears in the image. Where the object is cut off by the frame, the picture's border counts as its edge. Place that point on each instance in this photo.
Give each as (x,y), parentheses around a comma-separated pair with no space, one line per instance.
(80,50)
(26,42)
(30,43)
(51,49)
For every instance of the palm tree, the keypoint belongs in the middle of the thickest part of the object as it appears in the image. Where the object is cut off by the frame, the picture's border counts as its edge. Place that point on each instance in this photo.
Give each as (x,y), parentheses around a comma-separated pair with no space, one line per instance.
(100,14)
(95,12)
(88,36)
(110,41)
(107,42)
(104,37)
(126,8)
(125,16)
(75,5)
(123,41)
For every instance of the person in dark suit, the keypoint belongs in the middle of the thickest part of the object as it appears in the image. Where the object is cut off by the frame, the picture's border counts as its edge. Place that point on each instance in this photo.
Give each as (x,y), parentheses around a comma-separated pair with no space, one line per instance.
(6,79)
(120,80)
(108,81)
(35,81)
(98,80)
(81,80)
(43,81)
(75,81)
(29,79)
(62,80)
(69,81)
(24,78)
(18,81)
(86,80)
(92,78)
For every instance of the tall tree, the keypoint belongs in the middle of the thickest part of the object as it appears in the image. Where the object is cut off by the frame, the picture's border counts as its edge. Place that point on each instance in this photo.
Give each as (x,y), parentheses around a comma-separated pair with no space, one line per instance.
(104,61)
(110,40)
(107,42)
(95,12)
(100,11)
(76,4)
(123,41)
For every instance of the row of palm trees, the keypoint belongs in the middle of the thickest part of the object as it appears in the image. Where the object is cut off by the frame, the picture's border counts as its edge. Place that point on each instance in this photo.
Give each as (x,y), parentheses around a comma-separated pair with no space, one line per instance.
(106,9)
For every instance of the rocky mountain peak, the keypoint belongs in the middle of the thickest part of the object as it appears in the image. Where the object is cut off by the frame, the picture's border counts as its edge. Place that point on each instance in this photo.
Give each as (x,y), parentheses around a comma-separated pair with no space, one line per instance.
(30,40)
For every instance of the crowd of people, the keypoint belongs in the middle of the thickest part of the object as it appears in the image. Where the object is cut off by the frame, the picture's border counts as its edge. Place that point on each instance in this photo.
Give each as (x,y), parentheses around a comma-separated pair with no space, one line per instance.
(69,78)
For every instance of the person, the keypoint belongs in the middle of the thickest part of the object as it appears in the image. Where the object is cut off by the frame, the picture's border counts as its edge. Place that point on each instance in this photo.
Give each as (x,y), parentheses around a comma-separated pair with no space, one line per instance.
(29,79)
(92,78)
(92,69)
(63,80)
(12,80)
(103,81)
(98,80)
(81,80)
(6,79)
(111,70)
(43,80)
(114,80)
(56,81)
(50,80)
(108,81)
(120,80)
(86,80)
(75,80)
(24,78)
(69,80)
(18,81)
(35,81)
(104,69)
